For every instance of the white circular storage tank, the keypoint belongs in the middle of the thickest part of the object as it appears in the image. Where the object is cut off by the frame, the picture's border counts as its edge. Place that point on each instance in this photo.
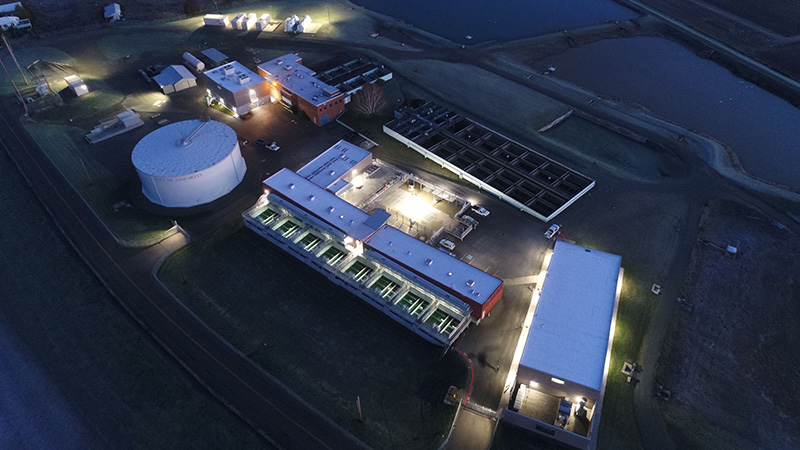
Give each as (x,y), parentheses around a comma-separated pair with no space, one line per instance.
(189,163)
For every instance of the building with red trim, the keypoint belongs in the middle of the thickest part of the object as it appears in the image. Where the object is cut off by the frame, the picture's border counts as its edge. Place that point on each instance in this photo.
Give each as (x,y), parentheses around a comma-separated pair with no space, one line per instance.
(428,291)
(296,88)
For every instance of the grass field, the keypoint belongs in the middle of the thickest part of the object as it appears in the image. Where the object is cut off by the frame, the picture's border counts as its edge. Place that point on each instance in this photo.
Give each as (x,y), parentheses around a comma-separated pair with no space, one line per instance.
(322,342)
(101,190)
(730,359)
(781,16)
(87,376)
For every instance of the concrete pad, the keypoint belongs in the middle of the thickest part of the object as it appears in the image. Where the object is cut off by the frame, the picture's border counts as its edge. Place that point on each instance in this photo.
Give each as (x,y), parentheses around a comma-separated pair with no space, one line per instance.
(472,432)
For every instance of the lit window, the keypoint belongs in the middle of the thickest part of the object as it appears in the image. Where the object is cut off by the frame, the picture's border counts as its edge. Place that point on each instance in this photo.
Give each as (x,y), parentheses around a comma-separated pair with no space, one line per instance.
(556,380)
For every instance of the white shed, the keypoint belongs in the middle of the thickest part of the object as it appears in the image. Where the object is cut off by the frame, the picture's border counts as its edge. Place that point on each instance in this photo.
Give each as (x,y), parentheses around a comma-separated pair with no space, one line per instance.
(175,78)
(112,12)
(76,85)
(216,20)
(8,22)
(263,22)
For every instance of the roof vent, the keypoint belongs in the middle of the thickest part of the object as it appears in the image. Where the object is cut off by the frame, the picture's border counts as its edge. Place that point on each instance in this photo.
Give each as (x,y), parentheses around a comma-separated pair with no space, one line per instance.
(333,172)
(311,197)
(449,274)
(429,262)
(330,210)
(341,216)
(291,185)
(279,62)
(471,283)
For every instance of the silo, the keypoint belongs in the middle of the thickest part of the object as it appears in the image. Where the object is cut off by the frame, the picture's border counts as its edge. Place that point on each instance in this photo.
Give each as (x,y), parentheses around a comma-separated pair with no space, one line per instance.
(189,163)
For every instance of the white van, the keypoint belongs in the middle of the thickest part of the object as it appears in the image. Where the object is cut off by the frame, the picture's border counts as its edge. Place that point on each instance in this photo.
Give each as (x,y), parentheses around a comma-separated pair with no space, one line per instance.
(447,244)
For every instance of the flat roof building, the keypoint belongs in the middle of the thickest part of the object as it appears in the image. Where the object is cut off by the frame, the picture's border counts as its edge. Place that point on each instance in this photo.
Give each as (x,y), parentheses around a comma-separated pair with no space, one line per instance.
(215,56)
(236,87)
(336,167)
(297,88)
(562,374)
(428,291)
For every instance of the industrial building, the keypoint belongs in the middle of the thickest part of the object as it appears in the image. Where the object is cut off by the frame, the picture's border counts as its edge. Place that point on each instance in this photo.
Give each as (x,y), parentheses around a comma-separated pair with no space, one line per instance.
(507,169)
(214,56)
(189,163)
(427,291)
(562,374)
(297,89)
(353,75)
(237,88)
(175,78)
(108,128)
(76,85)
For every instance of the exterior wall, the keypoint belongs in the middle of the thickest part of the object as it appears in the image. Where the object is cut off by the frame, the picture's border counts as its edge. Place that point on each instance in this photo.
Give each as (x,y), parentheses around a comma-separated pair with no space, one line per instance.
(547,430)
(480,311)
(477,182)
(239,101)
(570,390)
(338,278)
(324,113)
(197,188)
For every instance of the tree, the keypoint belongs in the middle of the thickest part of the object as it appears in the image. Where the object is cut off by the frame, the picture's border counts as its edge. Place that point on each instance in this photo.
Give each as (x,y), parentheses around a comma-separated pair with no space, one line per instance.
(191,7)
(370,100)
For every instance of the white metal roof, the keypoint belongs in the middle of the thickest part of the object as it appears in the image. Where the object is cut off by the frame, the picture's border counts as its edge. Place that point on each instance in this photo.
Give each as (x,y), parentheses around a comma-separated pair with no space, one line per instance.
(568,338)
(163,153)
(172,74)
(321,203)
(333,163)
(212,53)
(294,76)
(9,7)
(437,266)
(231,82)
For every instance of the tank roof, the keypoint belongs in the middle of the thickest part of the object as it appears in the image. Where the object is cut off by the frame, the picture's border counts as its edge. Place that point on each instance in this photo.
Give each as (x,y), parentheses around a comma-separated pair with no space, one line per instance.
(184,148)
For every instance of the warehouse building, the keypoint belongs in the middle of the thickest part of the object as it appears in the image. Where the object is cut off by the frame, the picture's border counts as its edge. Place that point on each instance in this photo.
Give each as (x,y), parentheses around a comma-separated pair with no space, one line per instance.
(427,291)
(562,373)
(175,78)
(237,88)
(297,89)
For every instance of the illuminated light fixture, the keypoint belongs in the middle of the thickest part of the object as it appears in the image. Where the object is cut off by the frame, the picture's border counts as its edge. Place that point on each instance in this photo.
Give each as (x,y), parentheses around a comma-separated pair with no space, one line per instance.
(533,384)
(557,381)
(275,83)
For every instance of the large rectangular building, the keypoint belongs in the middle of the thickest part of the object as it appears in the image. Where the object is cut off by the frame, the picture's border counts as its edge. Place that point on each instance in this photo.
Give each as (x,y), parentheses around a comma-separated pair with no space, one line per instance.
(236,87)
(562,374)
(297,88)
(427,291)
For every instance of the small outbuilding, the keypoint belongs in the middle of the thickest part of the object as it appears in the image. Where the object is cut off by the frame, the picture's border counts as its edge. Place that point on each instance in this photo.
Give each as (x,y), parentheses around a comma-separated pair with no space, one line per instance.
(216,20)
(8,22)
(112,12)
(175,78)
(76,85)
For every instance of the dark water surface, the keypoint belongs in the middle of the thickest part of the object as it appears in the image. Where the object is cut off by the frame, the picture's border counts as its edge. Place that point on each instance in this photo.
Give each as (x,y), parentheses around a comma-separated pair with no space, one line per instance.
(499,20)
(673,82)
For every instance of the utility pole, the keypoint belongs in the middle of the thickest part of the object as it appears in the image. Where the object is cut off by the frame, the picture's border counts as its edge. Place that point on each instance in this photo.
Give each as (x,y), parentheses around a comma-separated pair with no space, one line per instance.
(329,14)
(8,46)
(19,96)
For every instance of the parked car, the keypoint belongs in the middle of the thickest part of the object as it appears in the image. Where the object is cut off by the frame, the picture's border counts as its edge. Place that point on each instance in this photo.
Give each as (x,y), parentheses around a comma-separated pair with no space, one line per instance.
(447,244)
(470,220)
(444,250)
(552,231)
(261,142)
(274,146)
(480,210)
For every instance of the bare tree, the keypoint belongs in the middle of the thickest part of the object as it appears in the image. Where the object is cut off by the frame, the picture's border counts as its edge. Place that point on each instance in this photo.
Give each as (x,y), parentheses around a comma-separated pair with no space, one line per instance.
(370,100)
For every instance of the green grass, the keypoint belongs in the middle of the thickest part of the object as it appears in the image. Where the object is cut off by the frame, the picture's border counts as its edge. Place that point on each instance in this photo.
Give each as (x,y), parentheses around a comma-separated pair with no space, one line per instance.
(324,343)
(618,427)
(120,387)
(67,149)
